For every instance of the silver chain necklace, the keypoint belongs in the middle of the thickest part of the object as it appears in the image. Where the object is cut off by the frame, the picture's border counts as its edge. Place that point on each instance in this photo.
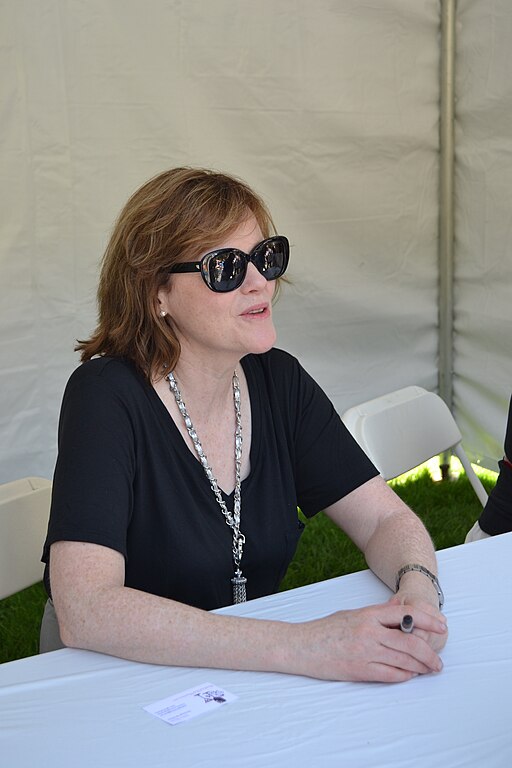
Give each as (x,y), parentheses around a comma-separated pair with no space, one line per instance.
(232,519)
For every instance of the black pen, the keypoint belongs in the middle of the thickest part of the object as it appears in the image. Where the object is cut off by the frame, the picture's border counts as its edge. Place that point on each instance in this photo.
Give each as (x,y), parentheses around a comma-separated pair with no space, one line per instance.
(407,623)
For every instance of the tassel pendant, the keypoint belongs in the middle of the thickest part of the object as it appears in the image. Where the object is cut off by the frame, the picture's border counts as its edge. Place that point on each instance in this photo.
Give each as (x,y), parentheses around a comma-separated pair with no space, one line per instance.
(239,582)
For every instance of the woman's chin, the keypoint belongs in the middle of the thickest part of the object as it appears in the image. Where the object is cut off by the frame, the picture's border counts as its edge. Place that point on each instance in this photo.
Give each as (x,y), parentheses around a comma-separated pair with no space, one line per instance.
(264,343)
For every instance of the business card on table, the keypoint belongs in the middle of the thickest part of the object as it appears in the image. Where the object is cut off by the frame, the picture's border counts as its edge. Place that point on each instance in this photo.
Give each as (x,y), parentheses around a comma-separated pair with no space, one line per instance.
(190,703)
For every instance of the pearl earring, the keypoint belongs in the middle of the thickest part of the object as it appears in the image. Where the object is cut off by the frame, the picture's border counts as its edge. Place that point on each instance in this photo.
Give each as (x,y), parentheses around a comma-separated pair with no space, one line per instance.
(163,313)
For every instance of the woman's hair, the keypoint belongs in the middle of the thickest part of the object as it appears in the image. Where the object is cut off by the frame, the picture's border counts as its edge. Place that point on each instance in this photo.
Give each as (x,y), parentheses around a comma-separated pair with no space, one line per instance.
(173,217)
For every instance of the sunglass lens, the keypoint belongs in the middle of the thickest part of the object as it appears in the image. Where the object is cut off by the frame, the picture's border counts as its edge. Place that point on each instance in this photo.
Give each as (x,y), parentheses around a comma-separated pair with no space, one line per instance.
(271,257)
(225,270)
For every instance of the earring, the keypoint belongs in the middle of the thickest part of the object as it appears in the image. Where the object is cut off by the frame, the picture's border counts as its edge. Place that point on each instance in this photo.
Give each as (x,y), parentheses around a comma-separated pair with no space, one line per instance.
(163,313)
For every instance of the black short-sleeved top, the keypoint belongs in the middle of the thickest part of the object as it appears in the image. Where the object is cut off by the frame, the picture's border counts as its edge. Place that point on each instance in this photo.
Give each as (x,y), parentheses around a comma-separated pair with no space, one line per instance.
(125,479)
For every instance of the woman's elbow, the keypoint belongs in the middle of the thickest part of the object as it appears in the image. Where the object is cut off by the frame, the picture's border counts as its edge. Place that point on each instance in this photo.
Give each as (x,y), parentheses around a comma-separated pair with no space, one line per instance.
(70,627)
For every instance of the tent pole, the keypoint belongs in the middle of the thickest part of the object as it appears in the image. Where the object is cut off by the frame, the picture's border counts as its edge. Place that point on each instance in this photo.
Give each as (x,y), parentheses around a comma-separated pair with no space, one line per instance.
(446,207)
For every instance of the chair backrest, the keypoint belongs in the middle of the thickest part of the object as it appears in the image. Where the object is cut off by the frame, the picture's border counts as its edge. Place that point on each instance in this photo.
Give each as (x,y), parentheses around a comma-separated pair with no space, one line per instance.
(24,511)
(405,428)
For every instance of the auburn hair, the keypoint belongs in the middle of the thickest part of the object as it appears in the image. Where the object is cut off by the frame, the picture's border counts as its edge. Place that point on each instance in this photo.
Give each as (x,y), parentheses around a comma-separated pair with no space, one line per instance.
(173,217)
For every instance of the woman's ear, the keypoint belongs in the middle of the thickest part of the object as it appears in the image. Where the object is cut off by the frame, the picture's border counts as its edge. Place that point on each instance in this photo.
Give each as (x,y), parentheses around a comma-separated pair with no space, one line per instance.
(162,301)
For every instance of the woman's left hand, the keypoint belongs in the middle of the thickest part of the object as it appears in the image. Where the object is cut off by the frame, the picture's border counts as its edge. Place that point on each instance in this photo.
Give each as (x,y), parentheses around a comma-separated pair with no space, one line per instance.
(423,601)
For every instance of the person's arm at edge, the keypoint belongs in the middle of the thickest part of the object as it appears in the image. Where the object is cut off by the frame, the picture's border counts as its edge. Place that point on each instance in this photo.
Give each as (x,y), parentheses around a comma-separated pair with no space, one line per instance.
(496,516)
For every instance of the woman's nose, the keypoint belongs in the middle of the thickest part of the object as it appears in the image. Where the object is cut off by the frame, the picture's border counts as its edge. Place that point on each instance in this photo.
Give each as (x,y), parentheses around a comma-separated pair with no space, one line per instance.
(254,280)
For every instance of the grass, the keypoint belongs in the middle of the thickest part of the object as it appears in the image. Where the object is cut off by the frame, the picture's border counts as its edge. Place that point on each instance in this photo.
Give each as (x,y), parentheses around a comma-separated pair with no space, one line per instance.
(448,510)
(20,618)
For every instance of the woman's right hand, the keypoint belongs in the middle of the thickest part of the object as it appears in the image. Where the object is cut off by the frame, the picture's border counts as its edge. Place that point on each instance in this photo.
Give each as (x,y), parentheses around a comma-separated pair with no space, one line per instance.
(366,644)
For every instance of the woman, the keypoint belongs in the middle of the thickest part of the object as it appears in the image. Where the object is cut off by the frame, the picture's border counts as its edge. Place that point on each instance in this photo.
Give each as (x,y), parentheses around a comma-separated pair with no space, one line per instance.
(186,442)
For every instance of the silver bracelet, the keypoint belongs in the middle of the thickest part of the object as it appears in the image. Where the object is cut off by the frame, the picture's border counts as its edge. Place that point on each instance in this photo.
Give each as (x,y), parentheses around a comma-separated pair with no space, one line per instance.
(425,572)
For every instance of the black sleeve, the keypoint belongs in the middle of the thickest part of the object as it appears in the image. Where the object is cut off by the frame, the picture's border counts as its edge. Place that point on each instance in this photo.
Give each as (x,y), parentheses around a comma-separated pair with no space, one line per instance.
(497,515)
(328,462)
(92,485)
(508,434)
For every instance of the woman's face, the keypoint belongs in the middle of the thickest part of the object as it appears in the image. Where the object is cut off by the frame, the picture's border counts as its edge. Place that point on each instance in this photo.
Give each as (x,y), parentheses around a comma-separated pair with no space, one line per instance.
(222,327)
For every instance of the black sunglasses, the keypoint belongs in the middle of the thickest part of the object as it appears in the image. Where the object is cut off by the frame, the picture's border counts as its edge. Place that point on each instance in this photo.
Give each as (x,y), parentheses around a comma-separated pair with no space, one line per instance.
(224,270)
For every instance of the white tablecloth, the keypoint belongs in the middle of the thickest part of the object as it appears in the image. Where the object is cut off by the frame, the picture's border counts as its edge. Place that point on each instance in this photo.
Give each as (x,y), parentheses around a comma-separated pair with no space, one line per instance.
(76,709)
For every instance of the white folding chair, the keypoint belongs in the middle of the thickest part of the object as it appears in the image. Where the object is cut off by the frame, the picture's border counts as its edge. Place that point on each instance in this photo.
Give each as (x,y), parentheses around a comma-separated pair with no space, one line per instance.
(24,511)
(405,428)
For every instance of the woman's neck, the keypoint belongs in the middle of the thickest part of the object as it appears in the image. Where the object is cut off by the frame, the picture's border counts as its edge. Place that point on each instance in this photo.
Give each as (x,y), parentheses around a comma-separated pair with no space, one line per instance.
(206,384)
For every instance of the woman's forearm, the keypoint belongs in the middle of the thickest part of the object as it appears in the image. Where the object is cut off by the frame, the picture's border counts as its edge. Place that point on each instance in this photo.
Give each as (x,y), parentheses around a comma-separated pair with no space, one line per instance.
(96,612)
(399,539)
(142,627)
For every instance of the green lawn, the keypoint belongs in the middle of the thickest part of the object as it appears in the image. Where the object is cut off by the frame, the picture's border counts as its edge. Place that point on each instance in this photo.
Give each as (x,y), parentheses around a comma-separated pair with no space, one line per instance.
(448,509)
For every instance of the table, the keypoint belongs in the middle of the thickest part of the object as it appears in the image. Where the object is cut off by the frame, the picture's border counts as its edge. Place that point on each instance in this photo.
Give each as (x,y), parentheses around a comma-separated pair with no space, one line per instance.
(75,708)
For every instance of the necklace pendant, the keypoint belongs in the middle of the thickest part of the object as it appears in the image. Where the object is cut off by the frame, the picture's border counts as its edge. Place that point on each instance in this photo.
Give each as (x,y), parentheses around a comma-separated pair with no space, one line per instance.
(239,582)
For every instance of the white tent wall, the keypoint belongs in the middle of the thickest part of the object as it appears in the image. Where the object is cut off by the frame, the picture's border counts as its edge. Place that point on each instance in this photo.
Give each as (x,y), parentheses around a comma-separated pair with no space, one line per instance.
(482,378)
(329,109)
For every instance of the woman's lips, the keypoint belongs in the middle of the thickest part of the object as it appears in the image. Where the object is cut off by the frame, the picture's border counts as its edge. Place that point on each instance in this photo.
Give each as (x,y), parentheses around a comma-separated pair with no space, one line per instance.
(260,310)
